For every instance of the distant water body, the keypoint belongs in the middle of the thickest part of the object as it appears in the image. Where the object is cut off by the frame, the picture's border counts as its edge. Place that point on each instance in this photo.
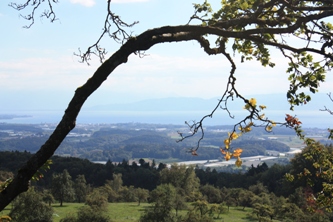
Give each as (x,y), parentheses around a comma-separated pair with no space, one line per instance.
(309,118)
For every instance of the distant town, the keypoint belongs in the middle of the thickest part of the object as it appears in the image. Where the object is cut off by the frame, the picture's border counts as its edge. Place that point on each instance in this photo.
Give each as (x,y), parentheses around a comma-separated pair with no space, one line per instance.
(132,141)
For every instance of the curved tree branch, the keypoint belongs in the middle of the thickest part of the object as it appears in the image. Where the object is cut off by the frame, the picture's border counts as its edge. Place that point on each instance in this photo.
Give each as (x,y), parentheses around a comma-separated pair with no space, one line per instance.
(140,43)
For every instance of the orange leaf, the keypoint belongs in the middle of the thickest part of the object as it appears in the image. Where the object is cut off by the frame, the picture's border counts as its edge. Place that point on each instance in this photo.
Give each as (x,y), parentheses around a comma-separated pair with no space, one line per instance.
(222,151)
(227,156)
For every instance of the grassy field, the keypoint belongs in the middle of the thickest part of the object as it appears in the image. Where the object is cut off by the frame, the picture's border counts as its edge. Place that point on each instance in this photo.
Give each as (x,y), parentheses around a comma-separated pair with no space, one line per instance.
(129,212)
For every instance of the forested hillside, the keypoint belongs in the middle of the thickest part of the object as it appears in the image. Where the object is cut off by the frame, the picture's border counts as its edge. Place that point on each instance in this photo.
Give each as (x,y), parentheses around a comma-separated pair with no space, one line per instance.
(144,174)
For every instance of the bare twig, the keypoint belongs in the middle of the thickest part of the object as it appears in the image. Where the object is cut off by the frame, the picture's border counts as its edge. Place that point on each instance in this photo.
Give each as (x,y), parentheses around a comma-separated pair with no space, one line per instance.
(36,4)
(118,34)
(327,109)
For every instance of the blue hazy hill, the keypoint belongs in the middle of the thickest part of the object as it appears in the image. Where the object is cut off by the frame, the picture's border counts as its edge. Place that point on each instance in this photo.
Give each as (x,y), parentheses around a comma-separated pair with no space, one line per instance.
(272,101)
(174,110)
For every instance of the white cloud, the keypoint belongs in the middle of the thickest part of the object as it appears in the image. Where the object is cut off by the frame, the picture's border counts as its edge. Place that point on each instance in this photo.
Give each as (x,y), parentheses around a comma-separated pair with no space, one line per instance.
(202,76)
(43,74)
(154,76)
(86,3)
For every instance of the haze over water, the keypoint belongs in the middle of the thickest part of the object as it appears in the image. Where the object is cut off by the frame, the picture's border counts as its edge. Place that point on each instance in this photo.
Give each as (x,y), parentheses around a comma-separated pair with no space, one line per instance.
(308,118)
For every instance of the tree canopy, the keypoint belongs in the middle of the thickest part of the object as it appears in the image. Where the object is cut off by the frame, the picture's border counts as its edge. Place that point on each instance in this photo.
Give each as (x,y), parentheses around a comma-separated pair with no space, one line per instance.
(298,29)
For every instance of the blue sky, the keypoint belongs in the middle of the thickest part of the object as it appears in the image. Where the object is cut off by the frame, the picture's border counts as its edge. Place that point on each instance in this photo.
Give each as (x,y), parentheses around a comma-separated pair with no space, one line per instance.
(39,71)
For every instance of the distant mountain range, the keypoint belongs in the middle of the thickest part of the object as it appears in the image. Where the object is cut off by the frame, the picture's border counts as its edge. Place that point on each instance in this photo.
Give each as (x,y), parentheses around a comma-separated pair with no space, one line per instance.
(163,104)
(272,101)
(175,110)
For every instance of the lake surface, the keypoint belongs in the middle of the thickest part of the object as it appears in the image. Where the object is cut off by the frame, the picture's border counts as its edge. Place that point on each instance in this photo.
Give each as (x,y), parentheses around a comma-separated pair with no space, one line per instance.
(308,118)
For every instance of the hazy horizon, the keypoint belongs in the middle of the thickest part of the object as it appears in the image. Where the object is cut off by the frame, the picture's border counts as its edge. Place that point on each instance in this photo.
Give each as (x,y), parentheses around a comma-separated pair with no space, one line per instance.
(167,117)
(177,110)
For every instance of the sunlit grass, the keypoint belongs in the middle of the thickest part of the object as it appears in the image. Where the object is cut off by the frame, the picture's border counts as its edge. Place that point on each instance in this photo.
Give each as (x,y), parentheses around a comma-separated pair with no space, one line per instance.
(67,209)
(129,212)
(125,212)
(122,212)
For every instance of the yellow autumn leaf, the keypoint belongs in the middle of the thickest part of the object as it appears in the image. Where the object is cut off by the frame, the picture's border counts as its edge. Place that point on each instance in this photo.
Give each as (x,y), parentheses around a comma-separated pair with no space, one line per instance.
(262,107)
(238,162)
(233,135)
(253,102)
(227,143)
(227,156)
(247,129)
(237,152)
(269,128)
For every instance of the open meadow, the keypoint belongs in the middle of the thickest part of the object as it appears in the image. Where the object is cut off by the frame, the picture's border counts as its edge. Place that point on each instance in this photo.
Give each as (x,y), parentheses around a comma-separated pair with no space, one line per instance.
(129,212)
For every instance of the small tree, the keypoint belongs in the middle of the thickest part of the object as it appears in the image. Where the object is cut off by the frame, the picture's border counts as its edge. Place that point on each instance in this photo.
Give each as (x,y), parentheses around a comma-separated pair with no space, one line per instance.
(163,197)
(127,194)
(48,197)
(80,188)
(97,201)
(62,187)
(29,207)
(179,203)
(183,178)
(202,206)
(246,198)
(141,195)
(258,188)
(211,193)
(220,210)
(263,212)
(117,182)
(205,214)
(108,192)
(229,202)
